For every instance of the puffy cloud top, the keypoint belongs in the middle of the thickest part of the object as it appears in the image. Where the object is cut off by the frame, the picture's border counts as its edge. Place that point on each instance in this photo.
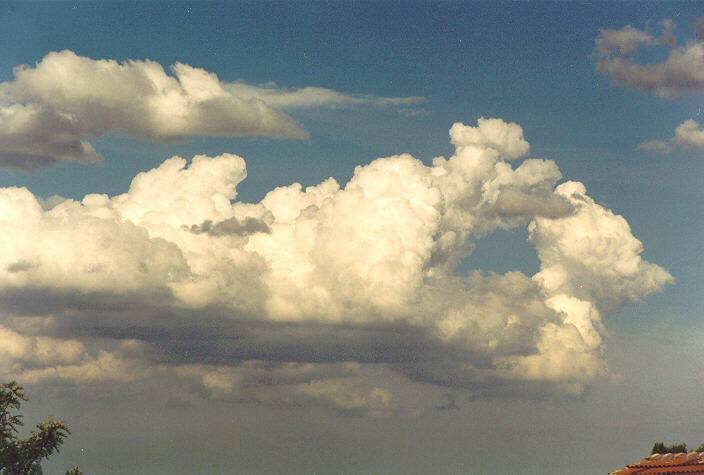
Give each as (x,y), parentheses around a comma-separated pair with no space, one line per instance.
(689,135)
(506,139)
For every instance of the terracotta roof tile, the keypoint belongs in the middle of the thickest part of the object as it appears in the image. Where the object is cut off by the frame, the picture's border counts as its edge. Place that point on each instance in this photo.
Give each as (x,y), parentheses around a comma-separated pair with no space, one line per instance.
(690,462)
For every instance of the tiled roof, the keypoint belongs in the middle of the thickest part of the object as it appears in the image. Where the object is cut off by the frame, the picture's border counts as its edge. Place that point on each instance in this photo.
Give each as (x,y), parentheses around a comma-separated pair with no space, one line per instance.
(684,462)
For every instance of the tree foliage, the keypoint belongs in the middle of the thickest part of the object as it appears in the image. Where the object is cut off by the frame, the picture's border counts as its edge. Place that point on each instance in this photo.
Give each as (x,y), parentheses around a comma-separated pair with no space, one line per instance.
(22,456)
(661,448)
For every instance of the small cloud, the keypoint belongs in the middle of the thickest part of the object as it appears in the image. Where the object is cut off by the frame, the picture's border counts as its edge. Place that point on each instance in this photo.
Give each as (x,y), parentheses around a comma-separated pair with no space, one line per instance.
(512,202)
(622,41)
(20,266)
(655,146)
(682,72)
(231,227)
(688,135)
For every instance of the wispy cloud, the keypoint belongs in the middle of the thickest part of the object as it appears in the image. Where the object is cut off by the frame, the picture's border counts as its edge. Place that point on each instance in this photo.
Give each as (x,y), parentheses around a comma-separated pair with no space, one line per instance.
(309,97)
(264,302)
(682,72)
(688,135)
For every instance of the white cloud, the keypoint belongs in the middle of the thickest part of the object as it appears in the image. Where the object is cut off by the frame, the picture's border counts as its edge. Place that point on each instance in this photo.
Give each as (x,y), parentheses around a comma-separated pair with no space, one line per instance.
(688,135)
(655,146)
(591,257)
(622,41)
(48,111)
(682,72)
(492,134)
(139,98)
(329,274)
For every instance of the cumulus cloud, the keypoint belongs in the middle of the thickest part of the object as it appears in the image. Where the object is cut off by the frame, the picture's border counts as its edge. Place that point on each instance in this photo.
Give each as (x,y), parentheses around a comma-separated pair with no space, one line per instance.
(506,140)
(688,135)
(682,72)
(287,300)
(49,110)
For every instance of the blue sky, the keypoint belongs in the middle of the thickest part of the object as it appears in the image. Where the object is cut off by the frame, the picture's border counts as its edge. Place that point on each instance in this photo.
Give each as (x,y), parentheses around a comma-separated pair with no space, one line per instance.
(368,319)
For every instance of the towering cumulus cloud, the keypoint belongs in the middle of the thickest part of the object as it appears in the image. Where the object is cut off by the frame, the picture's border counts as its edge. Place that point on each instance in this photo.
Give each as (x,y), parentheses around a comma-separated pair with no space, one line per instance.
(293,298)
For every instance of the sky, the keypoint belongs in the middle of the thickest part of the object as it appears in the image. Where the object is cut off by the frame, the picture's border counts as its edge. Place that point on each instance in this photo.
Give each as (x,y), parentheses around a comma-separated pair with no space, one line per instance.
(354,237)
